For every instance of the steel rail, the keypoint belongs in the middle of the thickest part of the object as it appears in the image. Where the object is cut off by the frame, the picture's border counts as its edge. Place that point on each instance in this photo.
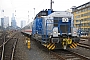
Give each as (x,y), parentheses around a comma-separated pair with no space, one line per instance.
(57,55)
(81,56)
(3,49)
(84,45)
(77,55)
(3,46)
(7,41)
(13,51)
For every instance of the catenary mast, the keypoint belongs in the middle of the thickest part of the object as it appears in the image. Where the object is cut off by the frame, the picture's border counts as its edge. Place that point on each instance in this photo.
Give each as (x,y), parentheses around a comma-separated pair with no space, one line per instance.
(51,4)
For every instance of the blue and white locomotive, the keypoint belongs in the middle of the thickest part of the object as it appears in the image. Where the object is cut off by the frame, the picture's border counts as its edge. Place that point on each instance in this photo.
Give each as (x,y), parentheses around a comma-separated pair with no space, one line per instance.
(54,29)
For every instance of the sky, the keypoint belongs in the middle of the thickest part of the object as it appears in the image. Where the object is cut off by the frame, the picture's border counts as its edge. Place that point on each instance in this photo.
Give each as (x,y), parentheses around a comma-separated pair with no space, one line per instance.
(23,6)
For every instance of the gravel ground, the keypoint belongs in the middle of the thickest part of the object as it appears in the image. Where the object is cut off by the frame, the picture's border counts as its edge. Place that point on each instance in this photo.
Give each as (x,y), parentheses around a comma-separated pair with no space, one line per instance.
(37,52)
(20,52)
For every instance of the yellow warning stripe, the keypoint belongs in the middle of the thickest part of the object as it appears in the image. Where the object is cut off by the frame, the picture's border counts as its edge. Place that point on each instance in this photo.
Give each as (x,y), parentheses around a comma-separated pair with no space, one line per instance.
(51,46)
(71,47)
(45,45)
(48,45)
(75,44)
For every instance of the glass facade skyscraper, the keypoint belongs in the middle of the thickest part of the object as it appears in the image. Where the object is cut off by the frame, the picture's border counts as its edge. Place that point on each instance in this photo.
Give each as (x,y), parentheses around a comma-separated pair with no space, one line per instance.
(13,21)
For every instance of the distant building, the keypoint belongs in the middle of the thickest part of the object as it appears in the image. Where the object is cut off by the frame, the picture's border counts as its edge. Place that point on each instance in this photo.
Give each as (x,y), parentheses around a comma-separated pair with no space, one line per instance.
(2,19)
(82,16)
(13,21)
(23,23)
(6,22)
(2,22)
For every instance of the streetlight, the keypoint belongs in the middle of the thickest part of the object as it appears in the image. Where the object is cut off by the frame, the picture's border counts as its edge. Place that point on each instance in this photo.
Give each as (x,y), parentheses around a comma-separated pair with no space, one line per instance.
(34,12)
(28,16)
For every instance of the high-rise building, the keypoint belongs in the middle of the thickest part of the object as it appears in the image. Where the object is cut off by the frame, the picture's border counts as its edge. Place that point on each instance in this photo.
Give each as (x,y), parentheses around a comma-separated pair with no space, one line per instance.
(6,22)
(23,23)
(2,18)
(13,21)
(2,22)
(82,16)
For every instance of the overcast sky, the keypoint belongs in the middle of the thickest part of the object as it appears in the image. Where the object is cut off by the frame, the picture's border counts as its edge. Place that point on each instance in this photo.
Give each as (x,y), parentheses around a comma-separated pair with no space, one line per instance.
(23,6)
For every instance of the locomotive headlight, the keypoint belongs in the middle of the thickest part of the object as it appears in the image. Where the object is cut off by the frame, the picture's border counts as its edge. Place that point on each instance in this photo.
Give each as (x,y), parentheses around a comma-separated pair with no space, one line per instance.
(75,32)
(49,36)
(55,32)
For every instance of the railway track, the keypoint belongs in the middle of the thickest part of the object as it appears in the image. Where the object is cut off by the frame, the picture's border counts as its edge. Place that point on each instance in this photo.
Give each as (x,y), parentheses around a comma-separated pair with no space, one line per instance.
(84,45)
(7,47)
(68,55)
(85,37)
(10,49)
(4,36)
